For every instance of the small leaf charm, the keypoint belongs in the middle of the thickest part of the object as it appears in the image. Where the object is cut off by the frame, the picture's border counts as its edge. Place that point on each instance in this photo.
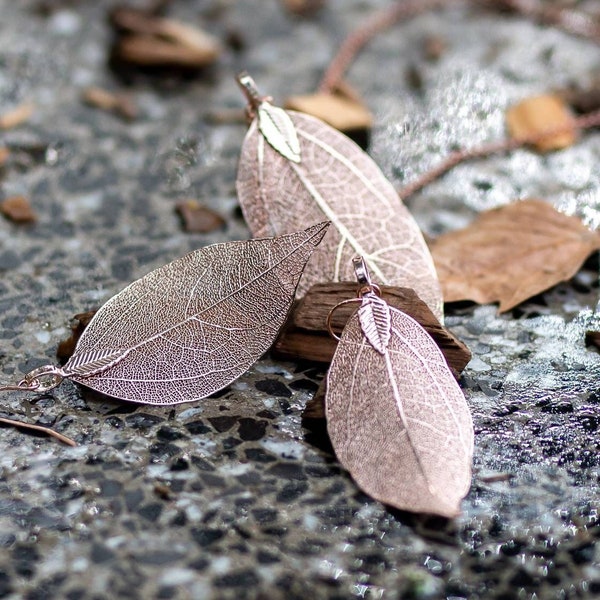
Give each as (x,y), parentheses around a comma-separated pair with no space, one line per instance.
(191,327)
(278,129)
(295,169)
(397,419)
(375,322)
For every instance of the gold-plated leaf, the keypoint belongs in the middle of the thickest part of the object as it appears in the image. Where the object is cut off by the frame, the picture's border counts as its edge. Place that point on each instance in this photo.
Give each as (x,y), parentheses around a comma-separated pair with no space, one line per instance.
(191,327)
(334,180)
(397,419)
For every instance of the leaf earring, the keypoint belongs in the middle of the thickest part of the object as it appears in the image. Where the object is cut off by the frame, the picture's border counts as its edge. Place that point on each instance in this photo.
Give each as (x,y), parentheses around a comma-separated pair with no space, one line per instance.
(396,417)
(294,168)
(189,328)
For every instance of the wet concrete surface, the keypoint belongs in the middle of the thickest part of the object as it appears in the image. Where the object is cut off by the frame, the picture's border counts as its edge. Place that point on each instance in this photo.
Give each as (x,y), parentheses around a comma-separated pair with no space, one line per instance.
(237,496)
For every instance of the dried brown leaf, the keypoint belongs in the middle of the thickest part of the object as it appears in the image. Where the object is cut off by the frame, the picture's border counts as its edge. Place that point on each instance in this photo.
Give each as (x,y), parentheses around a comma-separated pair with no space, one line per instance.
(151,41)
(17,116)
(512,253)
(396,417)
(539,114)
(120,104)
(4,155)
(303,8)
(338,110)
(148,51)
(18,209)
(198,218)
(332,179)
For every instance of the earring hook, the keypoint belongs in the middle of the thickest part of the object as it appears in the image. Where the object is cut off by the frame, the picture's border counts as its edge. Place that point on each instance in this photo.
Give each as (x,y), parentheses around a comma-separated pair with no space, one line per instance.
(253,97)
(365,287)
(42,379)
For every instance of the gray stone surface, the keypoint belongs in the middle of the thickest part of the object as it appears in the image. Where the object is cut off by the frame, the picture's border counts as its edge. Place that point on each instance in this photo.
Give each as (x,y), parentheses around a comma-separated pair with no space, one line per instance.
(236,497)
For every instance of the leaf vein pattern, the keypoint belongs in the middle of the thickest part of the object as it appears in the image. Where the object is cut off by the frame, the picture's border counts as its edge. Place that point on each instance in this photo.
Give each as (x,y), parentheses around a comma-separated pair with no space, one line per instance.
(337,223)
(223,299)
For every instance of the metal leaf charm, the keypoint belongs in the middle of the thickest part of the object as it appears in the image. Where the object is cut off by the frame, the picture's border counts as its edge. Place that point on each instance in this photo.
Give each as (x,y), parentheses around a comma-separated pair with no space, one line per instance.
(278,129)
(334,180)
(189,328)
(376,322)
(396,417)
(92,362)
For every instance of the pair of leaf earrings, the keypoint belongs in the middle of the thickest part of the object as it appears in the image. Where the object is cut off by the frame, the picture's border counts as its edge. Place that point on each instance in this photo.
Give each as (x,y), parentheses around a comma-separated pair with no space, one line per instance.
(191,327)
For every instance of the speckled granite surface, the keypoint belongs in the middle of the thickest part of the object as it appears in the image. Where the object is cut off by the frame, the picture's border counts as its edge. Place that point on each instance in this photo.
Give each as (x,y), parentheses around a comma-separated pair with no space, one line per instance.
(236,497)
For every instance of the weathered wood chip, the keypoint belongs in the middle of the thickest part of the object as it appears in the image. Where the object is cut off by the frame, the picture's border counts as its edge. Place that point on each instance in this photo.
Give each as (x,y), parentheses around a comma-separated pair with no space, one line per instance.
(306,337)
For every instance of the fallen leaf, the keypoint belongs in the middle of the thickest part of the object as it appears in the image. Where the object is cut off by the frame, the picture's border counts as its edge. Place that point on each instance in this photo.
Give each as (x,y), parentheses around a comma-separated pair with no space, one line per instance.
(198,218)
(147,40)
(396,417)
(17,116)
(512,253)
(148,51)
(18,209)
(303,8)
(120,104)
(339,111)
(295,169)
(538,114)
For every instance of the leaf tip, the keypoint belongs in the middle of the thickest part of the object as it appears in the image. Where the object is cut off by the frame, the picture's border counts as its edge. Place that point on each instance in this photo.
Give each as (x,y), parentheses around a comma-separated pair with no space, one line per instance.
(318,231)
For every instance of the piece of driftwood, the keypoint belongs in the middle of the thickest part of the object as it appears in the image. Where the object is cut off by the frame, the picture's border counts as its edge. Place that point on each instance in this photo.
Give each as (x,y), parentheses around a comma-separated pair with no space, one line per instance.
(305,335)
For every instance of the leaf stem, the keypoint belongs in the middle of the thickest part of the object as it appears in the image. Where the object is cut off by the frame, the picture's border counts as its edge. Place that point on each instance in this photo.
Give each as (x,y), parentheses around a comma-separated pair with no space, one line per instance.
(360,37)
(459,156)
(59,436)
(573,22)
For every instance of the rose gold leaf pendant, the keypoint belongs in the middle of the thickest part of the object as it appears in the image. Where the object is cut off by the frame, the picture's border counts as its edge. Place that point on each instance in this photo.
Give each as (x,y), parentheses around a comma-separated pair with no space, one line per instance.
(295,169)
(191,327)
(397,419)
